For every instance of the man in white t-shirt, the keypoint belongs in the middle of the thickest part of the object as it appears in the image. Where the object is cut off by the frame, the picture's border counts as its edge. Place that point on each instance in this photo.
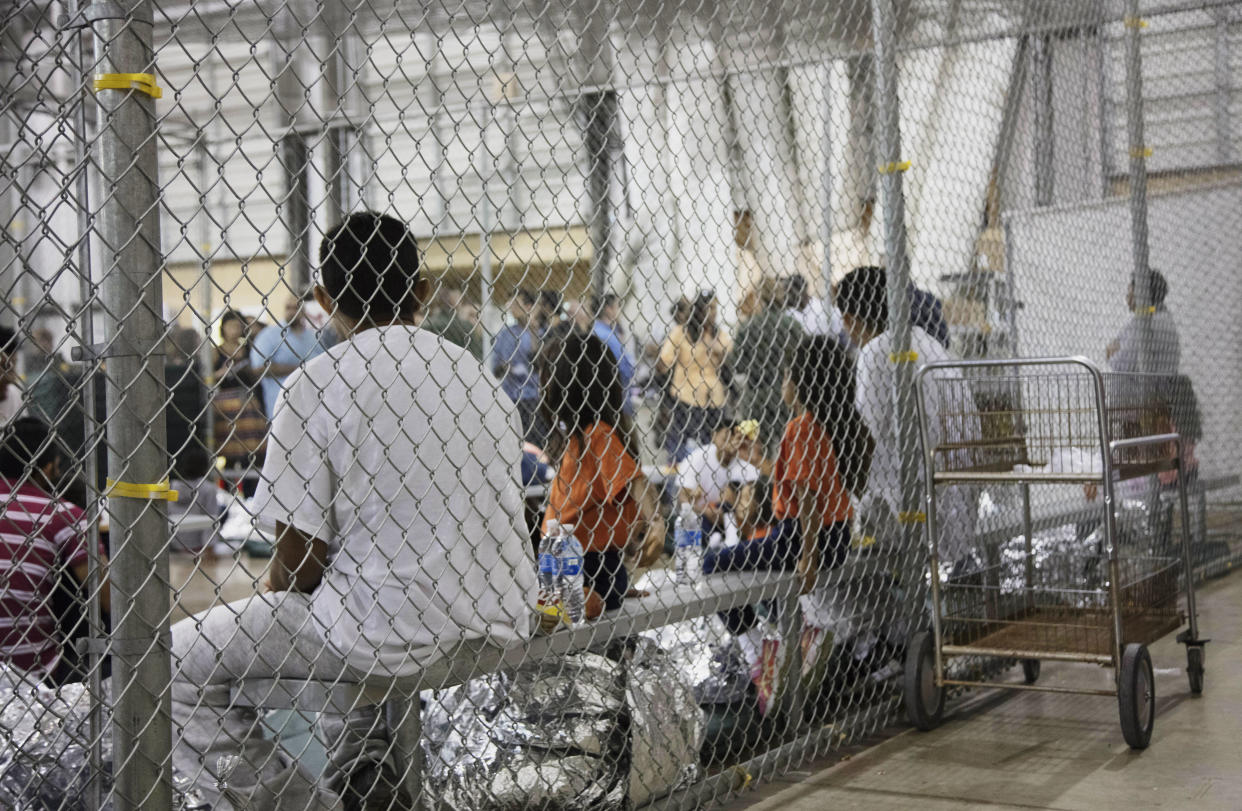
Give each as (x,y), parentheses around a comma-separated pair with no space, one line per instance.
(706,477)
(391,482)
(863,299)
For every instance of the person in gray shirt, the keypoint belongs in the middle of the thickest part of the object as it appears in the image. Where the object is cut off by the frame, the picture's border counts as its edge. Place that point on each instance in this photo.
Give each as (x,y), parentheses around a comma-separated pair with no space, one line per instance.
(1124,354)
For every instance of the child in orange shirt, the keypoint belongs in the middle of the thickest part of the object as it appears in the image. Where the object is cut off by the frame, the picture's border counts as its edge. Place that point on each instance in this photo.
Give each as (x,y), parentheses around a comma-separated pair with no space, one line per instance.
(810,486)
(599,487)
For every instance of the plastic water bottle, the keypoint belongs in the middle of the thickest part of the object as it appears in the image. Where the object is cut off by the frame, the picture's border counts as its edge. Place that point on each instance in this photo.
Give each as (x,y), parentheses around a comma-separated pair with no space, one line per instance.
(569,558)
(548,567)
(688,552)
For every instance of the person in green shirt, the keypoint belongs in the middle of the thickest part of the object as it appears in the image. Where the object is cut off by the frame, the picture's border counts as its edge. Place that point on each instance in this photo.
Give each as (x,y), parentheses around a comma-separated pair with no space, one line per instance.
(757,363)
(456,320)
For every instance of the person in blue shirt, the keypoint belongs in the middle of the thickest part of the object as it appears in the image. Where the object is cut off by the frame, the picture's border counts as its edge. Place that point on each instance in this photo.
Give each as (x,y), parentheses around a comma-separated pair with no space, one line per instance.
(280,349)
(607,328)
(513,355)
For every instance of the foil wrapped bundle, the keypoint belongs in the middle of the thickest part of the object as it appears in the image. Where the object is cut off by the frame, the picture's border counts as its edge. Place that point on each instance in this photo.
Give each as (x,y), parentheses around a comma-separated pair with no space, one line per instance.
(575,732)
(706,655)
(549,735)
(45,737)
(666,726)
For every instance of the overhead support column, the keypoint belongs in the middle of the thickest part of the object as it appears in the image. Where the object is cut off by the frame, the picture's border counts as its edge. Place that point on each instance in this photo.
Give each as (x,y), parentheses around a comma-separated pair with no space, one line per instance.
(1045,134)
(1139,153)
(598,110)
(293,150)
(343,111)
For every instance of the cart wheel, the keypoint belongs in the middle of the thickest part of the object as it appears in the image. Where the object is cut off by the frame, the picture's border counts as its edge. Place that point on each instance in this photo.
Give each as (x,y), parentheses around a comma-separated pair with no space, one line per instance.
(924,700)
(1030,670)
(1194,667)
(1136,696)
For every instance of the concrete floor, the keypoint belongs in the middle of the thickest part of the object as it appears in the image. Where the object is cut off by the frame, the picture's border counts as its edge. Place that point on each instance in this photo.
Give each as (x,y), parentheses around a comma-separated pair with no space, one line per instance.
(1041,750)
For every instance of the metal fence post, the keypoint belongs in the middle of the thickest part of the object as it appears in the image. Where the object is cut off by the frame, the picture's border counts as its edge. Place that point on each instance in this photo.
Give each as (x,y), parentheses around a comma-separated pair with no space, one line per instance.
(891,166)
(127,229)
(294,151)
(1138,179)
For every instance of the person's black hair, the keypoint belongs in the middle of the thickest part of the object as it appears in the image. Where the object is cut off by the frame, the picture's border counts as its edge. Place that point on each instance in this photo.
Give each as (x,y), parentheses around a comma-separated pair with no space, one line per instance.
(823,375)
(700,310)
(580,387)
(232,315)
(863,294)
(598,303)
(28,444)
(8,339)
(526,296)
(369,264)
(1157,287)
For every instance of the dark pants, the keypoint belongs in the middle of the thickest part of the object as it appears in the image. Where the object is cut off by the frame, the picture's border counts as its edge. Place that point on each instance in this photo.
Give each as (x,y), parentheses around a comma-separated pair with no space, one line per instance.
(778,550)
(689,425)
(605,575)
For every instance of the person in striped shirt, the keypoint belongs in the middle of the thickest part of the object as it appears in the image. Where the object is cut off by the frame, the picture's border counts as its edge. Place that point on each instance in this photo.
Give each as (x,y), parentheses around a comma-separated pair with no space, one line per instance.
(42,537)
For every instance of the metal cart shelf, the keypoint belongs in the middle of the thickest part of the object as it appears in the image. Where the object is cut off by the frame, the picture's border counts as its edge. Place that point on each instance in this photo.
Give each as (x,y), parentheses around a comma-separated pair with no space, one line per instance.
(1052,421)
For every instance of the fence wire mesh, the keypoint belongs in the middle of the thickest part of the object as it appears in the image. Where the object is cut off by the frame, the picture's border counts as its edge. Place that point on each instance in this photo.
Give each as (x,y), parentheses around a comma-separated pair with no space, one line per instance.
(481,405)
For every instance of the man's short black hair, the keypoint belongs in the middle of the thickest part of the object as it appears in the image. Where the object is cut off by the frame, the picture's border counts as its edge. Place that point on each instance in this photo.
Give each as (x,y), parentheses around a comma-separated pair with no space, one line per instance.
(27,444)
(1158,287)
(369,265)
(863,293)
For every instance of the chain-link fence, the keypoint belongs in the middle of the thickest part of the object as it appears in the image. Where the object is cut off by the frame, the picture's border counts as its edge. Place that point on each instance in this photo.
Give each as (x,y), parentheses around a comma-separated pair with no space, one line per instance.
(436,317)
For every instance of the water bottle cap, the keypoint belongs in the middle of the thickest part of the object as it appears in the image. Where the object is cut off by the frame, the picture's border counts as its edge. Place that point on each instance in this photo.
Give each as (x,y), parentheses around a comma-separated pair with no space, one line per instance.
(687,512)
(554,527)
(568,528)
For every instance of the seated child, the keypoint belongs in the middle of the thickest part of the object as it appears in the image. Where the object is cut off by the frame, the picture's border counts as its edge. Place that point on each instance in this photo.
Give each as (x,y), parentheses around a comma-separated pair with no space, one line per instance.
(599,487)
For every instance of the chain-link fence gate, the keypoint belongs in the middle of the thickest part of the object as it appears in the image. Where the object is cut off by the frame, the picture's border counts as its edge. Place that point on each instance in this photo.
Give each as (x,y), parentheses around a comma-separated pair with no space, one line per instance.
(398,298)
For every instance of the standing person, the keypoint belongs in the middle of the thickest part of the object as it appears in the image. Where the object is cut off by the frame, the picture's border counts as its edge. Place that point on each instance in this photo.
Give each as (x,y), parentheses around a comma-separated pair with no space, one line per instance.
(447,321)
(240,421)
(863,299)
(513,361)
(599,487)
(392,486)
(279,350)
(758,360)
(1124,354)
(607,327)
(694,356)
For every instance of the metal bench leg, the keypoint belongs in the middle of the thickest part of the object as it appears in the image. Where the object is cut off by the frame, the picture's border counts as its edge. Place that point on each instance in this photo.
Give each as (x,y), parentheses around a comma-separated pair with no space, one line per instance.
(405,725)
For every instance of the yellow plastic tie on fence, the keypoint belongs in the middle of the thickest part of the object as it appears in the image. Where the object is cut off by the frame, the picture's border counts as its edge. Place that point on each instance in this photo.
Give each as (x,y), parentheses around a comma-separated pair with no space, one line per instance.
(904,357)
(160,491)
(1150,311)
(864,542)
(1135,22)
(142,82)
(1140,152)
(912,518)
(898,166)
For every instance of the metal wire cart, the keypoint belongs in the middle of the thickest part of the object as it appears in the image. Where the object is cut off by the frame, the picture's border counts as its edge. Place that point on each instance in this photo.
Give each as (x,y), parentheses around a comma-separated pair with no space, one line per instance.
(1054,421)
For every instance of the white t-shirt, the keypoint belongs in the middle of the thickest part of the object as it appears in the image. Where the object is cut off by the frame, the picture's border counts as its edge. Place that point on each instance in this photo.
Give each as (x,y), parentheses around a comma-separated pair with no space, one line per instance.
(874,397)
(817,318)
(399,451)
(704,470)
